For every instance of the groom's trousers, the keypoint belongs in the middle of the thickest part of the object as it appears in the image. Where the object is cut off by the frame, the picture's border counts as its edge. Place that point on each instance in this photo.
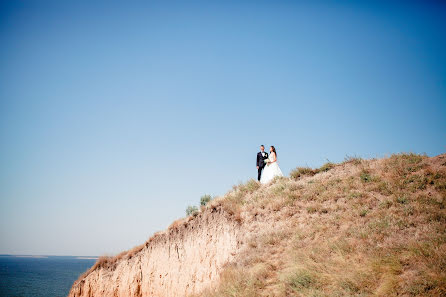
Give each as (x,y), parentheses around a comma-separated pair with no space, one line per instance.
(259,173)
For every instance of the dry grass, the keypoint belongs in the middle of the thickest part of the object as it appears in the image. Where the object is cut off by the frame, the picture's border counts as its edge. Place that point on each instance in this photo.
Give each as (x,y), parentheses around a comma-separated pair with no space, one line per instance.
(301,172)
(307,171)
(110,262)
(233,202)
(369,228)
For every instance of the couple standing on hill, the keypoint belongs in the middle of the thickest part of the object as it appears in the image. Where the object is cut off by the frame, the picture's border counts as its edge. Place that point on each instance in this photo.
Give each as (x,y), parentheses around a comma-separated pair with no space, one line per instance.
(267,164)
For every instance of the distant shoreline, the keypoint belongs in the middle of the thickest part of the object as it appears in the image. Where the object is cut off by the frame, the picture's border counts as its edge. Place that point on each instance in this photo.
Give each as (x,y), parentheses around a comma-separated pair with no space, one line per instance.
(28,256)
(47,256)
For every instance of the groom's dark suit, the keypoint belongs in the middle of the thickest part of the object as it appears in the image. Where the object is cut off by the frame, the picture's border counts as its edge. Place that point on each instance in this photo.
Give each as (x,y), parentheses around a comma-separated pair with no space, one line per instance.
(260,163)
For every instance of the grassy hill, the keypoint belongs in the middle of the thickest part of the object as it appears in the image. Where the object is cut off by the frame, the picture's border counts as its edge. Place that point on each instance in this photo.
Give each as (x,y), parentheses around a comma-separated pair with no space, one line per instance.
(359,228)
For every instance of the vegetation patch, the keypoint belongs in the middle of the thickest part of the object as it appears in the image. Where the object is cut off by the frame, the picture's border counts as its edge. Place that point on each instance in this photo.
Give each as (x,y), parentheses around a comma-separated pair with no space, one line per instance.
(353,160)
(301,172)
(363,212)
(327,166)
(300,279)
(365,176)
(191,210)
(205,199)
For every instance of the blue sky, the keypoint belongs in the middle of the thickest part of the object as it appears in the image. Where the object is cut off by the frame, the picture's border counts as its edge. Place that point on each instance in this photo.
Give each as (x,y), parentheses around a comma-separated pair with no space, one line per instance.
(116,116)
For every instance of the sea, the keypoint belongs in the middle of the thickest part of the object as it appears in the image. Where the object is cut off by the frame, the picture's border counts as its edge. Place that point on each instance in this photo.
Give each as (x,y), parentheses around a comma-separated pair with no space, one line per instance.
(40,276)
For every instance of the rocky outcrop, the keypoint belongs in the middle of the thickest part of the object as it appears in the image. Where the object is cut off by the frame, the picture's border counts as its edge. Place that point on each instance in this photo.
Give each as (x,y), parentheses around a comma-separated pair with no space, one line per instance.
(180,261)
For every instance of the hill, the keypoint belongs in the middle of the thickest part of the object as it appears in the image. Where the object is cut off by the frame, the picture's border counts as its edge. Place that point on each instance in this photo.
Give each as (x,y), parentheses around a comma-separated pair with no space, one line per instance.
(359,228)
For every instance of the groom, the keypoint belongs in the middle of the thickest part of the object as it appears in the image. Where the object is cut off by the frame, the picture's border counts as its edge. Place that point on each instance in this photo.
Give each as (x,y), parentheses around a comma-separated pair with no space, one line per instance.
(260,163)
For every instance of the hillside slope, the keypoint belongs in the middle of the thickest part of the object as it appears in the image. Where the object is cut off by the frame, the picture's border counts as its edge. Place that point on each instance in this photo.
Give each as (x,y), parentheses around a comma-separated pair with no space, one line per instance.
(359,228)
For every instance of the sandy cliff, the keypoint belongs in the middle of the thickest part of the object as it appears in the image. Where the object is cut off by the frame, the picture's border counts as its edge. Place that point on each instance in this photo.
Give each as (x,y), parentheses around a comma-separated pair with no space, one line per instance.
(182,260)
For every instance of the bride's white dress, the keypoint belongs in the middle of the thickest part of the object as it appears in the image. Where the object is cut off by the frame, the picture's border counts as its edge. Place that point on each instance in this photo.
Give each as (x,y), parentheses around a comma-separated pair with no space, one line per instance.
(270,171)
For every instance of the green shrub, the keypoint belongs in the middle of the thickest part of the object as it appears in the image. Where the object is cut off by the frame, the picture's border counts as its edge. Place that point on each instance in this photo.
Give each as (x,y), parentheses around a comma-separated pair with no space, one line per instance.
(327,166)
(302,171)
(363,212)
(301,279)
(365,176)
(205,199)
(402,199)
(299,172)
(191,210)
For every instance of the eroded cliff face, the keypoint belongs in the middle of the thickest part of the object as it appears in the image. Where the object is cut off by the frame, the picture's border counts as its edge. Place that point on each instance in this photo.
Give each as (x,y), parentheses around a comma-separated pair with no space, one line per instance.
(185,259)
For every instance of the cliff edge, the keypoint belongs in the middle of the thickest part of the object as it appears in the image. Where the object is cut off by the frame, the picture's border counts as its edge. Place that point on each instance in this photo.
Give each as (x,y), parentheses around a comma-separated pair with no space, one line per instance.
(182,260)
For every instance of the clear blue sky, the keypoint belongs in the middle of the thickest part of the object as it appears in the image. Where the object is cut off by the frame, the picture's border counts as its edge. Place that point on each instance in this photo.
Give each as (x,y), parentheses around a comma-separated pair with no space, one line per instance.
(115,116)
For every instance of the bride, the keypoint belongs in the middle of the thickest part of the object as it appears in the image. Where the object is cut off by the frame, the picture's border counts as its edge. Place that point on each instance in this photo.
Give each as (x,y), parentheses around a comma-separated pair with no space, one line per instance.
(272,168)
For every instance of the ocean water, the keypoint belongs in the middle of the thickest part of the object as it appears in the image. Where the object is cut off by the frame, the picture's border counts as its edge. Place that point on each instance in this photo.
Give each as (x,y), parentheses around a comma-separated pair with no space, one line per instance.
(51,276)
